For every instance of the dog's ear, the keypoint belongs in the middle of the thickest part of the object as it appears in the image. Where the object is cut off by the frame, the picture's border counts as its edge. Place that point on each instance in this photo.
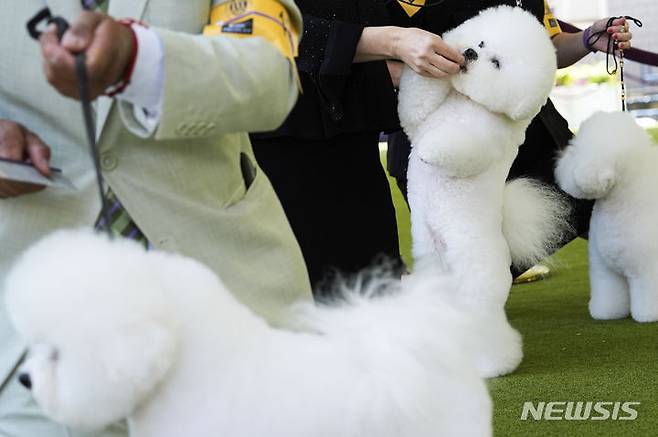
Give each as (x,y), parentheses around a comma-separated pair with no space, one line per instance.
(139,356)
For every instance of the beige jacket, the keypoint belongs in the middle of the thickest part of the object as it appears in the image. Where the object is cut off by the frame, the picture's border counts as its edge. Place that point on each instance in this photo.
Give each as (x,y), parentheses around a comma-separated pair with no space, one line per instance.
(183,186)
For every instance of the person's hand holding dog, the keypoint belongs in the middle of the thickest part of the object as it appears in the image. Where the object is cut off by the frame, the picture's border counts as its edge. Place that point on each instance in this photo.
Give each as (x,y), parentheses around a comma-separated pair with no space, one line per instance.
(426,53)
(20,144)
(107,43)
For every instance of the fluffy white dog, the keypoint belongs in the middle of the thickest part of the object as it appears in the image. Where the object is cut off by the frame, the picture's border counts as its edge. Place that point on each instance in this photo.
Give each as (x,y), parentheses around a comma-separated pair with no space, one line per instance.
(614,161)
(465,131)
(117,332)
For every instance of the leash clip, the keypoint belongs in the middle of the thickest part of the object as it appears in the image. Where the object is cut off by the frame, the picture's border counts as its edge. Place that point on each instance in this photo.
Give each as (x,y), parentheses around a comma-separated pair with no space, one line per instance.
(44,15)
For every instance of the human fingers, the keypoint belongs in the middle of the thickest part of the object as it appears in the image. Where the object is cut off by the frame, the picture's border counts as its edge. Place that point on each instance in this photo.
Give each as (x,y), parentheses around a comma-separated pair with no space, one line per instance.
(58,63)
(12,141)
(81,33)
(446,51)
(443,64)
(9,189)
(38,152)
(433,71)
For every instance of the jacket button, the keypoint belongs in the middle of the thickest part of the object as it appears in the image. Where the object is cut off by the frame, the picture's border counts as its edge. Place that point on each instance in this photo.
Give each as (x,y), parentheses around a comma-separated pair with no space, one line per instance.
(183,129)
(108,161)
(335,113)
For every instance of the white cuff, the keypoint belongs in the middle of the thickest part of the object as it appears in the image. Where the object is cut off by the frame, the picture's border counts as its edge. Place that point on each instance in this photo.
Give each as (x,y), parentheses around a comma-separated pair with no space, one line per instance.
(146,89)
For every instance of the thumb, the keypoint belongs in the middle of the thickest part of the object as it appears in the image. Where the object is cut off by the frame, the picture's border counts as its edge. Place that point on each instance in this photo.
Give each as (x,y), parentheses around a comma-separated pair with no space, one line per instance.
(38,152)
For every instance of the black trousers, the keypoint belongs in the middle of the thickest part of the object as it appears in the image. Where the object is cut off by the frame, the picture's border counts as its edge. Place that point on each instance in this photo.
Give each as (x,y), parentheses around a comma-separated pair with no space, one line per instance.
(338,201)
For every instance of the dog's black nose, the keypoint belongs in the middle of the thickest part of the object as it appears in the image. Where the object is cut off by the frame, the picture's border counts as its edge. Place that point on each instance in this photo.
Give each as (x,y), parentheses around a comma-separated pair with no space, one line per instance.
(25,380)
(470,55)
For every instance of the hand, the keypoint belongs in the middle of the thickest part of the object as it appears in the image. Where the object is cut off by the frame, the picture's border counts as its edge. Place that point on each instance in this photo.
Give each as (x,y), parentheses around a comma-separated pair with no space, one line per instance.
(427,54)
(395,70)
(19,144)
(108,46)
(619,31)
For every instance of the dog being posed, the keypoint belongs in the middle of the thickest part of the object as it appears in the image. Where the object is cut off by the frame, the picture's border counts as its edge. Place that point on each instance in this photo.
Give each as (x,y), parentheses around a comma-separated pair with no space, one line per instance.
(116,332)
(465,132)
(615,162)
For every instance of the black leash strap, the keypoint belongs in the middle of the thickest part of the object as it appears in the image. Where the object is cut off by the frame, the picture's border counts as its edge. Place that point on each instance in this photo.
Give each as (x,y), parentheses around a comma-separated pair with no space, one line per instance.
(45,15)
(610,53)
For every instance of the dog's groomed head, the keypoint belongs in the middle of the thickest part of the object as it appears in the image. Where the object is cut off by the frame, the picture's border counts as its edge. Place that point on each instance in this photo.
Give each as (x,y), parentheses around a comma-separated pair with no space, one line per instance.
(98,327)
(512,76)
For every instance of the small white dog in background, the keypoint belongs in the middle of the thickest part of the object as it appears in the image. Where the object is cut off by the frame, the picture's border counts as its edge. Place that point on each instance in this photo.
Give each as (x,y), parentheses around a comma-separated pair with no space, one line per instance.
(465,132)
(614,161)
(115,332)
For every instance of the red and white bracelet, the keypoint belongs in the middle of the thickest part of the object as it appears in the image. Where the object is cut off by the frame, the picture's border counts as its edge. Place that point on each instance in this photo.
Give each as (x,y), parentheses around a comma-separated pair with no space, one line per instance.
(124,81)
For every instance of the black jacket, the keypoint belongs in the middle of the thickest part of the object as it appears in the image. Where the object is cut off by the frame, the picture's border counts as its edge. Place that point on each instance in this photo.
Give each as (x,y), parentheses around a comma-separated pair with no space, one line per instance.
(339,97)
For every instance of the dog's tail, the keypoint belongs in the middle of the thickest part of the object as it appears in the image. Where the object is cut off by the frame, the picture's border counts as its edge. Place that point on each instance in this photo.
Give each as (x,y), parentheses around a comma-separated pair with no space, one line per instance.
(535,220)
(374,311)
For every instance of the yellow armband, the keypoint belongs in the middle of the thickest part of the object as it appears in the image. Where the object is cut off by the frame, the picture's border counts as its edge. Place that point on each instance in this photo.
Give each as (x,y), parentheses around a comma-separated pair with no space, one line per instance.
(550,22)
(267,19)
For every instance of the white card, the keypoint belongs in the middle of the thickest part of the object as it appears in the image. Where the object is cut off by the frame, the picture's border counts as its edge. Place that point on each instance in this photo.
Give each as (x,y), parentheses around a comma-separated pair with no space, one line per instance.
(25,172)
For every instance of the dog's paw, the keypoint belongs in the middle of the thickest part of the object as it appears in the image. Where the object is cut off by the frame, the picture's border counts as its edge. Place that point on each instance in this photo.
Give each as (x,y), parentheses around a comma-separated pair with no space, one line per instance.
(645,310)
(457,159)
(594,183)
(606,310)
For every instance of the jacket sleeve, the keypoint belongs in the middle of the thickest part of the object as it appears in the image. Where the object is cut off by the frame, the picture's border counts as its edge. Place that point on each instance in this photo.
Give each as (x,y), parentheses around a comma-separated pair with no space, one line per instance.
(327,52)
(216,85)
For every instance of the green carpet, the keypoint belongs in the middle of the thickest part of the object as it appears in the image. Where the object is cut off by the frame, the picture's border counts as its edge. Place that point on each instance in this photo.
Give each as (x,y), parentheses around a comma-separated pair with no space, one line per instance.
(569,356)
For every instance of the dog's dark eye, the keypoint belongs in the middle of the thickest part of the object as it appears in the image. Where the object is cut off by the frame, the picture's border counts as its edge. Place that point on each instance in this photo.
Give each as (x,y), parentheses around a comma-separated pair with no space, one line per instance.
(481,45)
(496,63)
(54,355)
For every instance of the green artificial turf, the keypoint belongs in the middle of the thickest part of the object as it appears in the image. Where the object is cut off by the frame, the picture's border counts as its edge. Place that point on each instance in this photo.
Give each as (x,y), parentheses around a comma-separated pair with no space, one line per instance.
(567,355)
(654,133)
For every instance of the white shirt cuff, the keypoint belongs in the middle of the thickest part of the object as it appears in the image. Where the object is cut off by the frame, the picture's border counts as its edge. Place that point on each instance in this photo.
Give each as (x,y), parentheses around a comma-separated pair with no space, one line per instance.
(146,89)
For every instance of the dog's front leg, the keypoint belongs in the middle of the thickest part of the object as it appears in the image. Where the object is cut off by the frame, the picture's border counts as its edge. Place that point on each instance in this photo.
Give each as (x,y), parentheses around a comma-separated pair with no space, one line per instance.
(459,152)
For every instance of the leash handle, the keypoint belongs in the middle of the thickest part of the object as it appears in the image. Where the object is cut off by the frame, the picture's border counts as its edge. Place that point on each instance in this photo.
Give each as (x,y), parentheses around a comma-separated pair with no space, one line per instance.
(44,15)
(610,53)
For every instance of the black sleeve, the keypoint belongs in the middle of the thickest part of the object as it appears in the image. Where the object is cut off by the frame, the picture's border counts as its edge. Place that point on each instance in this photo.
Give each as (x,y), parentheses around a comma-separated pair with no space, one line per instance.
(338,96)
(326,54)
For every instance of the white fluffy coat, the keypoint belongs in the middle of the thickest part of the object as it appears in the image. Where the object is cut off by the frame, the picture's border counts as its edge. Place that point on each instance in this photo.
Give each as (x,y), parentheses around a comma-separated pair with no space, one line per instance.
(615,162)
(117,332)
(465,131)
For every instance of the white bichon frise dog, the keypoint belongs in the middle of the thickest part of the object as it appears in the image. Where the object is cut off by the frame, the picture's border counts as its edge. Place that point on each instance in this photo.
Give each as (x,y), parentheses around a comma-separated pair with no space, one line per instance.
(614,161)
(116,332)
(465,132)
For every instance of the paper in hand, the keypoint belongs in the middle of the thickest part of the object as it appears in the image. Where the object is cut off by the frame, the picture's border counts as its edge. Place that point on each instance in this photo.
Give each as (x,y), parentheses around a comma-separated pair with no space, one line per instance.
(20,171)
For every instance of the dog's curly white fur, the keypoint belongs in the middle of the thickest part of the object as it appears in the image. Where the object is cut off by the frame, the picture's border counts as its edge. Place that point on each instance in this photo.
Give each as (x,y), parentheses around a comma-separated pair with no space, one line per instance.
(614,161)
(117,332)
(465,131)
